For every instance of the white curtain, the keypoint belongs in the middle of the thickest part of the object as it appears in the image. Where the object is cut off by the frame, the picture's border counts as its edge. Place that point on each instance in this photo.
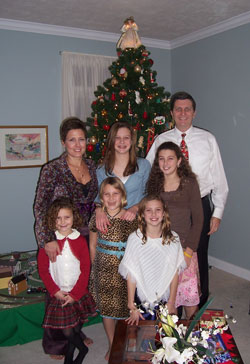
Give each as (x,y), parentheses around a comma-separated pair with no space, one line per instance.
(81,74)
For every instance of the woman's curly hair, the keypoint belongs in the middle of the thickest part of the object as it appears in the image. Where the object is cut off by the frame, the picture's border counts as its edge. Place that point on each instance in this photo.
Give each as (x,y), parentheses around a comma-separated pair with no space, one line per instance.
(155,182)
(167,236)
(56,206)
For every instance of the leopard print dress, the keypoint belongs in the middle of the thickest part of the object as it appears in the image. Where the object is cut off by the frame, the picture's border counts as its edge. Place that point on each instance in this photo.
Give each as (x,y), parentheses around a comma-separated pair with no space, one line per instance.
(107,286)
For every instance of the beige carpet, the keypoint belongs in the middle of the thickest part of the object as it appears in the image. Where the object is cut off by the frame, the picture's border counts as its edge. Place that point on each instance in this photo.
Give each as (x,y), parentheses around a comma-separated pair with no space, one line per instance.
(230,293)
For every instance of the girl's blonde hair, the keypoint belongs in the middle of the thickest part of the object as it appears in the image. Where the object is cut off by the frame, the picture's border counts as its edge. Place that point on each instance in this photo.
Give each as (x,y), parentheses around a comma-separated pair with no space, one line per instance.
(118,185)
(109,157)
(56,206)
(167,236)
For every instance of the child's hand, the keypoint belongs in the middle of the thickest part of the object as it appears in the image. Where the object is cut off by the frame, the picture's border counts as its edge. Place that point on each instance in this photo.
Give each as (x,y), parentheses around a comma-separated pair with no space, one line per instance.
(68,299)
(172,310)
(187,260)
(134,317)
(60,295)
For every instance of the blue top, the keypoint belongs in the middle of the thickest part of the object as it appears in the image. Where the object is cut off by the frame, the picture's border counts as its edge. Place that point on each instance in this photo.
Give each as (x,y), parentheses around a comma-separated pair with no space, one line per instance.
(135,184)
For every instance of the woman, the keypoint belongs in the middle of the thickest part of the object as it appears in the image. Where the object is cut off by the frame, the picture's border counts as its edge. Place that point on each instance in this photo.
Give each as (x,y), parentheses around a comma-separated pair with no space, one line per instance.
(172,178)
(71,176)
(120,161)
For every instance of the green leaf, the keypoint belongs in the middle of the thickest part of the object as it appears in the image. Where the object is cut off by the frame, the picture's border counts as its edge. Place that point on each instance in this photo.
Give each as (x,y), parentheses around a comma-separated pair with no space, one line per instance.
(197,317)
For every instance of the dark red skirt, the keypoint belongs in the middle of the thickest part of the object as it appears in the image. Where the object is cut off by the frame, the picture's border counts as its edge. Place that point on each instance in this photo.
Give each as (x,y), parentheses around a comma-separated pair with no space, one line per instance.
(58,317)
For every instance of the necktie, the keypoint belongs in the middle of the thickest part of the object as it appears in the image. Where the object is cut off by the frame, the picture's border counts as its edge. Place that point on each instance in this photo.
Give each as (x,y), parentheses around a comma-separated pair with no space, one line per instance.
(183,146)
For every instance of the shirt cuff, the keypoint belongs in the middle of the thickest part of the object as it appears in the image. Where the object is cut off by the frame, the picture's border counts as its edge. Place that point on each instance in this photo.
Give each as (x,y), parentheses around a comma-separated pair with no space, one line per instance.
(218,212)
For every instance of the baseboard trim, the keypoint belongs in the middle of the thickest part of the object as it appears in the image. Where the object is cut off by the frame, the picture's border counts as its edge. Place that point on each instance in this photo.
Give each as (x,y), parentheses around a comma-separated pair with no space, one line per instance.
(229,268)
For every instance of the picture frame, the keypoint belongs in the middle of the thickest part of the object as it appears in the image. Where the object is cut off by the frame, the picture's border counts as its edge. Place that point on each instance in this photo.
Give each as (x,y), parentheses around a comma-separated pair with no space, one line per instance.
(23,146)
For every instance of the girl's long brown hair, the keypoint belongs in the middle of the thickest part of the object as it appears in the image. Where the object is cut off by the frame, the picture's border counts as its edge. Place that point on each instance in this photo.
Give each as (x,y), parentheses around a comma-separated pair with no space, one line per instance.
(109,157)
(167,236)
(155,182)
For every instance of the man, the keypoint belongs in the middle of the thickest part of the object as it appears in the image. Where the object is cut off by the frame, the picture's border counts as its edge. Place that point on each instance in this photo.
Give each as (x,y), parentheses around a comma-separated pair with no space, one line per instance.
(201,149)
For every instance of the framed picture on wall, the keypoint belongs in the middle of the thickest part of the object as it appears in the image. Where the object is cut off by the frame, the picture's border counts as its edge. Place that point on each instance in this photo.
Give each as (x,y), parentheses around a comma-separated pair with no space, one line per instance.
(23,146)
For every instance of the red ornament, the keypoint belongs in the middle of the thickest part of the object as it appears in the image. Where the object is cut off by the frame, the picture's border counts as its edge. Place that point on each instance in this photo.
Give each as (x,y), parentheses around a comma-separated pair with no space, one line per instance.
(119,53)
(137,127)
(90,147)
(94,102)
(123,93)
(106,127)
(113,96)
(145,53)
(151,61)
(145,115)
(95,123)
(104,150)
(151,134)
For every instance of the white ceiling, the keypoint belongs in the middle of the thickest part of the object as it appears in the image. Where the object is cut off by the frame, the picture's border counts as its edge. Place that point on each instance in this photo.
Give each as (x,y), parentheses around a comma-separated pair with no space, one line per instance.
(165,20)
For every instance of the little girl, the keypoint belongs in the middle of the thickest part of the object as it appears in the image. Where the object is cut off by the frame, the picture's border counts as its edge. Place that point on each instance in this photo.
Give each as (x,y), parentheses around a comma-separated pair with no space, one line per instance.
(152,259)
(106,250)
(66,279)
(172,178)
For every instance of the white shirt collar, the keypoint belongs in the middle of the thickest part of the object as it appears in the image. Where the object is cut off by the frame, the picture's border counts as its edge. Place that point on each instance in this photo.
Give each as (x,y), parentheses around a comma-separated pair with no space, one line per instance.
(187,132)
(74,235)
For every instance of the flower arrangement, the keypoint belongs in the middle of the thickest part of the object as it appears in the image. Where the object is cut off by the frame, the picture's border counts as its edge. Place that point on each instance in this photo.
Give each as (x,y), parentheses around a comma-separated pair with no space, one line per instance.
(181,344)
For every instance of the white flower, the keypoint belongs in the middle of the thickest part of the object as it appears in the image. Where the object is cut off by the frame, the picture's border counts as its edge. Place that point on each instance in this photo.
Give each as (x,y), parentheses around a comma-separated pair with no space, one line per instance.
(186,356)
(175,318)
(181,330)
(170,354)
(204,334)
(146,304)
(158,356)
(163,311)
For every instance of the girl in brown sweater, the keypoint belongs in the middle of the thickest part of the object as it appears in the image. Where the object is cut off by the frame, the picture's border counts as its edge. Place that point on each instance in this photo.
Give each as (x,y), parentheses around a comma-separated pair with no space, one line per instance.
(172,178)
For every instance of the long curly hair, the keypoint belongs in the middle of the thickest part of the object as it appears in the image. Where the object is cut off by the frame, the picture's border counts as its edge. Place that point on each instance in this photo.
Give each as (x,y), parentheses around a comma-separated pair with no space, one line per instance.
(167,236)
(155,182)
(109,157)
(56,206)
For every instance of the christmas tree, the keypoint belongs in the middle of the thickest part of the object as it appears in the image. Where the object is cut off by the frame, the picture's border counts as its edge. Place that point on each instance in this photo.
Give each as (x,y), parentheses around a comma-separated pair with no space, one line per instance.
(131,94)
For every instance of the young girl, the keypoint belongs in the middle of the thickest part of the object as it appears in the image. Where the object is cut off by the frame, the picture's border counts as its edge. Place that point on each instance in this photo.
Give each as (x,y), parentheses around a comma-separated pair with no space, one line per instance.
(152,259)
(106,250)
(66,279)
(172,178)
(120,160)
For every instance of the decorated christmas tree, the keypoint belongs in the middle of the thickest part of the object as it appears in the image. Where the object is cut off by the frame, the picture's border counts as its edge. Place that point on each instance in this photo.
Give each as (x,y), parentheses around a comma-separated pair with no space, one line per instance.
(131,94)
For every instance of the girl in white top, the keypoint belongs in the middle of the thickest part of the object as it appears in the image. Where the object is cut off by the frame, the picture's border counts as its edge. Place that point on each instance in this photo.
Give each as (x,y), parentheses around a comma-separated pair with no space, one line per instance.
(69,302)
(152,259)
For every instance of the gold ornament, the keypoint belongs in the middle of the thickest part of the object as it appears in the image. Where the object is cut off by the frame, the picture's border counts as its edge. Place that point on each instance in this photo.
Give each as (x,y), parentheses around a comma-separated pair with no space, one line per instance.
(140,142)
(114,81)
(137,68)
(104,112)
(124,75)
(120,115)
(93,140)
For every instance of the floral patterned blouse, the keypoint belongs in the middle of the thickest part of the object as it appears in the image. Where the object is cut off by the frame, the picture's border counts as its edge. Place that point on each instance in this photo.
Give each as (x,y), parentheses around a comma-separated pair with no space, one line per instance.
(56,180)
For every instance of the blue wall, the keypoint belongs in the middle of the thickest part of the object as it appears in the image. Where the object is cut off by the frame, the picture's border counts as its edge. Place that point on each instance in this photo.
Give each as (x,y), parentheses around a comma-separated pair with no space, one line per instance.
(30,94)
(216,71)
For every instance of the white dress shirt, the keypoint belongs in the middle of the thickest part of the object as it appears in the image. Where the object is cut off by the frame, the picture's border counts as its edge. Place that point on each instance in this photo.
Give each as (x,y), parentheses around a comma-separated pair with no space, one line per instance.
(205,160)
(65,271)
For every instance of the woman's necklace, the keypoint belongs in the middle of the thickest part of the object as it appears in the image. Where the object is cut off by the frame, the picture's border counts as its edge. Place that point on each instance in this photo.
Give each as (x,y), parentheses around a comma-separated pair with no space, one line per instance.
(79,170)
(112,217)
